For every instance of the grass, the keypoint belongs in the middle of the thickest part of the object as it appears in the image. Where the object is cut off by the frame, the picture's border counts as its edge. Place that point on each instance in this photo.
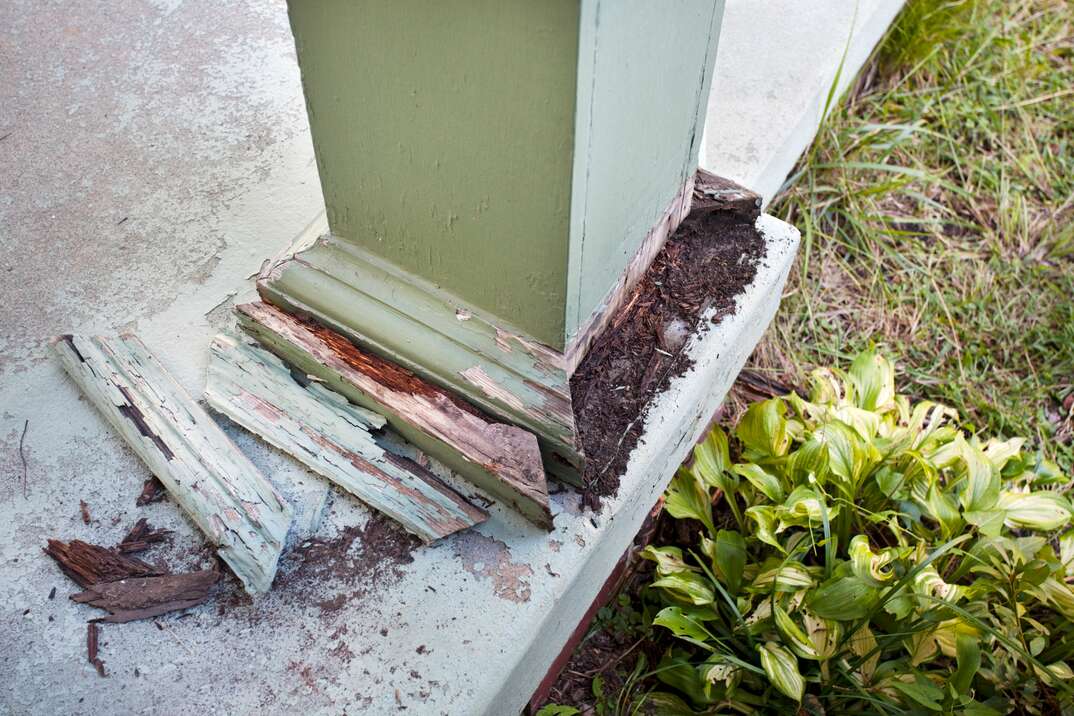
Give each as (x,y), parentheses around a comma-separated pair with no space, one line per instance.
(935,207)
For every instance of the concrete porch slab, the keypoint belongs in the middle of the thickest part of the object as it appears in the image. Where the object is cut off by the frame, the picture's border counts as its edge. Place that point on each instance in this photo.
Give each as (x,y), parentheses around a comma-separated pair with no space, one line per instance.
(775,66)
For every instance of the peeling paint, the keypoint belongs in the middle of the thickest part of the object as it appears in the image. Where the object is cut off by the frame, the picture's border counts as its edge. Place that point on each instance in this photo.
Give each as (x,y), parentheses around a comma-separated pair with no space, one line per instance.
(490,559)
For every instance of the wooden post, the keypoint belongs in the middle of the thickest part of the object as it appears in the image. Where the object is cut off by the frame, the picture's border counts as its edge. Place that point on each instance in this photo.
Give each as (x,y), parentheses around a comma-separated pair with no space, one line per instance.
(497,174)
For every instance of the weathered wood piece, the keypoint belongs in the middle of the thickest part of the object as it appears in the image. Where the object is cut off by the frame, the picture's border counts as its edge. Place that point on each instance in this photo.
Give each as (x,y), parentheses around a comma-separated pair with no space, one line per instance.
(331,436)
(145,597)
(714,193)
(91,649)
(502,459)
(141,537)
(221,490)
(407,320)
(87,564)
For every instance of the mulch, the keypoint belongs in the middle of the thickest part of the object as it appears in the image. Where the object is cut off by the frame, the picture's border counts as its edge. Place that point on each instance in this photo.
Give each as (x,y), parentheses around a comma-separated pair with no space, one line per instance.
(709,260)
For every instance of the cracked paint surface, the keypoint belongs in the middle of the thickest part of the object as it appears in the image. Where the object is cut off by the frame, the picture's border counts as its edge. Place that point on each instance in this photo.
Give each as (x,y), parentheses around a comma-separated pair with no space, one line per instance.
(490,559)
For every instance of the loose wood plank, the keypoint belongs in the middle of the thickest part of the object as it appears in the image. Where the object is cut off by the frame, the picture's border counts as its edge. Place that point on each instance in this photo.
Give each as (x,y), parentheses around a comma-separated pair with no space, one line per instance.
(221,490)
(331,436)
(502,459)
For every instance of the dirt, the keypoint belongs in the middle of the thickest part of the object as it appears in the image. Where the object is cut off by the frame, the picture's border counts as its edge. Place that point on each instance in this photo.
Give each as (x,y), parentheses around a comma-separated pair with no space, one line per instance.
(358,559)
(706,263)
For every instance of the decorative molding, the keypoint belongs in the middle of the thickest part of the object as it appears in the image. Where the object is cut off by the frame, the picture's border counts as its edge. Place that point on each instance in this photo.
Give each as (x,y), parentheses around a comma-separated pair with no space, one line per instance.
(502,459)
(427,331)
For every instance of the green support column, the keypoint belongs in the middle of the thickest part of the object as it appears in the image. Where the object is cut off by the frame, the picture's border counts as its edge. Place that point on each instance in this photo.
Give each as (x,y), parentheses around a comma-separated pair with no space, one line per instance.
(497,173)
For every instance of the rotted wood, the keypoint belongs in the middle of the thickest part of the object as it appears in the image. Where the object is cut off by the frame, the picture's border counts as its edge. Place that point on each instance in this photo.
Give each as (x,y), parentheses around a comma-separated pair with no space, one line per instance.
(144,597)
(716,194)
(87,564)
(226,496)
(332,436)
(502,459)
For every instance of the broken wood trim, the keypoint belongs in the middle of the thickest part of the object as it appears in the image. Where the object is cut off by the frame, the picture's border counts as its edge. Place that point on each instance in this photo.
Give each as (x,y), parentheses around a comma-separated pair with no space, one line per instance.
(578,345)
(226,496)
(714,193)
(332,437)
(435,335)
(502,459)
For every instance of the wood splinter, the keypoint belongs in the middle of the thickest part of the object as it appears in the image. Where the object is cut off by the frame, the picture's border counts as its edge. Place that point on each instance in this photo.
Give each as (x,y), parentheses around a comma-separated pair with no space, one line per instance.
(226,496)
(502,459)
(332,437)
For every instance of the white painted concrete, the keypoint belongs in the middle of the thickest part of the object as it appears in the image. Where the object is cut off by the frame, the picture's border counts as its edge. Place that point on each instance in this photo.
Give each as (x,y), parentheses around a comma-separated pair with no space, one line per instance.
(775,66)
(151,155)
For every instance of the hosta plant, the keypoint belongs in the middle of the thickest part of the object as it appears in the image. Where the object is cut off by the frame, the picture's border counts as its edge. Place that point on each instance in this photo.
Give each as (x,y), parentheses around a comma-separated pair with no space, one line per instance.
(862,554)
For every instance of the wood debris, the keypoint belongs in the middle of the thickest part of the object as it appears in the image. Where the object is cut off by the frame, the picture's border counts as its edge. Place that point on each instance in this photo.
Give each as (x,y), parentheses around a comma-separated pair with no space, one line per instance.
(218,486)
(141,537)
(88,564)
(91,649)
(502,459)
(152,491)
(145,597)
(331,436)
(83,508)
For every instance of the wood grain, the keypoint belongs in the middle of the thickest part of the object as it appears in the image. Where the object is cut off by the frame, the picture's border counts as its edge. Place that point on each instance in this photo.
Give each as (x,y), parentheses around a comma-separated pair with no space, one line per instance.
(331,436)
(502,459)
(226,496)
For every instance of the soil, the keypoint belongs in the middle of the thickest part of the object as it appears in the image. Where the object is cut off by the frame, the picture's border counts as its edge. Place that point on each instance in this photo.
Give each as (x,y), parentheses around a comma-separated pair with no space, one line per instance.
(706,263)
(359,560)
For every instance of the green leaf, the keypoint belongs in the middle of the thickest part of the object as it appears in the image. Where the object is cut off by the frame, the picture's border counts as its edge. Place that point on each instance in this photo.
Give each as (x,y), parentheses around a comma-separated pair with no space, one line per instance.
(683,625)
(892,483)
(968,654)
(843,599)
(677,672)
(666,704)
(688,587)
(922,692)
(688,498)
(868,565)
(847,454)
(669,560)
(558,710)
(810,460)
(943,508)
(1066,552)
(863,644)
(766,519)
(763,428)
(825,634)
(981,491)
(1043,511)
(712,461)
(805,508)
(730,559)
(793,635)
(784,577)
(782,670)
(999,452)
(765,482)
(873,379)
